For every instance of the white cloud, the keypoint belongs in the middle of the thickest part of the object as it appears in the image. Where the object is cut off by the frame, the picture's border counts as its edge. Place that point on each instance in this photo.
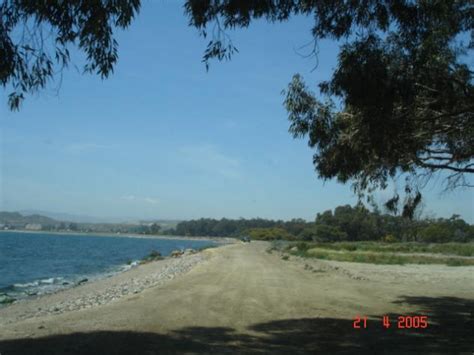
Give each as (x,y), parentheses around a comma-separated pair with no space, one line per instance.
(207,157)
(150,200)
(153,201)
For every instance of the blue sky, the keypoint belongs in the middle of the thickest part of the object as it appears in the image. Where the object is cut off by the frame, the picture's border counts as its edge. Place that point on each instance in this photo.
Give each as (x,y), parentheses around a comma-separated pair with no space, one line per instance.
(163,138)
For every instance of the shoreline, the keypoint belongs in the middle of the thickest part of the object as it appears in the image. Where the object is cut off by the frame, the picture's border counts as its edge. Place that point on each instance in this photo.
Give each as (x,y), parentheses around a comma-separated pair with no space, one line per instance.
(102,290)
(242,299)
(40,288)
(223,240)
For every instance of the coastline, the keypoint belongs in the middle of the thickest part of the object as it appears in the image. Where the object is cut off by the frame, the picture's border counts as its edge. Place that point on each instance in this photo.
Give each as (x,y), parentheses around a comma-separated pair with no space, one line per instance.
(103,290)
(25,291)
(220,240)
(243,299)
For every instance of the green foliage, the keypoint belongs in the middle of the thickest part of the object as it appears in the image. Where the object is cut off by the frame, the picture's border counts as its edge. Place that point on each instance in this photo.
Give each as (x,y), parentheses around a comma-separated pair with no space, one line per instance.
(435,233)
(153,256)
(155,228)
(389,238)
(302,246)
(28,62)
(460,249)
(345,223)
(269,234)
(323,233)
(384,258)
(445,230)
(230,228)
(403,88)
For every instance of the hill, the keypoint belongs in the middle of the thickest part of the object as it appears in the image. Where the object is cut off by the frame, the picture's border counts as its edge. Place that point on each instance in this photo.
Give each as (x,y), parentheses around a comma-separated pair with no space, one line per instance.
(17,219)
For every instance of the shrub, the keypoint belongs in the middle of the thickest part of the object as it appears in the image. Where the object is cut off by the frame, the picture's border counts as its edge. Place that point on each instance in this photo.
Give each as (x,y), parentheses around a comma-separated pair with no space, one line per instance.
(302,246)
(435,233)
(269,234)
(325,233)
(389,238)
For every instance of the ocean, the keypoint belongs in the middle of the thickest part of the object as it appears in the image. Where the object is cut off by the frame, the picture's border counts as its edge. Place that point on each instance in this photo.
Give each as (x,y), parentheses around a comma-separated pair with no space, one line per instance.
(37,263)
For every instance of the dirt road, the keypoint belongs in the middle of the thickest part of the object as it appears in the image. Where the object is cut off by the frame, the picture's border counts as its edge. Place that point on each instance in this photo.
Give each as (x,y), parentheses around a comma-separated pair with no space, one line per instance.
(245,300)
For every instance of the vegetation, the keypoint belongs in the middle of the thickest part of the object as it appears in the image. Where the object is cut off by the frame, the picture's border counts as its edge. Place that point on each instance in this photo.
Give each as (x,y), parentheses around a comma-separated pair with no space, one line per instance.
(154,255)
(375,253)
(15,220)
(459,249)
(269,234)
(36,38)
(400,100)
(345,223)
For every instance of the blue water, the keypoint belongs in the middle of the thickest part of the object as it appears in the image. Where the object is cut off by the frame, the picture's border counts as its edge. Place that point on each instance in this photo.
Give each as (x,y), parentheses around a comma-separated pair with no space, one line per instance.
(37,263)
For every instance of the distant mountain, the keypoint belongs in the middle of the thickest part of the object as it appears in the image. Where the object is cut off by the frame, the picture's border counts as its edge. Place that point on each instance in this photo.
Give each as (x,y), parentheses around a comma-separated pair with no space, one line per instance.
(15,218)
(66,217)
(164,223)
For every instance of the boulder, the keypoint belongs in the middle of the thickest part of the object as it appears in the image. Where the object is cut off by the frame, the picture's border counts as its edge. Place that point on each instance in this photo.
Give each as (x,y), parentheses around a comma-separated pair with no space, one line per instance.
(176,253)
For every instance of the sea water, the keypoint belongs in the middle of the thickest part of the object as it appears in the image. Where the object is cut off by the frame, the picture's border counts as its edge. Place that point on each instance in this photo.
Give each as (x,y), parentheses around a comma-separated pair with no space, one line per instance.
(38,263)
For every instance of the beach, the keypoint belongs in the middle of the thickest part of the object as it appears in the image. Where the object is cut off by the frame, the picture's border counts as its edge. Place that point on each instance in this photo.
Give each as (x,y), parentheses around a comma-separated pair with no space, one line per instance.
(242,298)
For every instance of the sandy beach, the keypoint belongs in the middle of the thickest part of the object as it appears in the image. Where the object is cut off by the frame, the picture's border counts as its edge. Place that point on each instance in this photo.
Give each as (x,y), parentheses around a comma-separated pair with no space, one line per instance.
(240,298)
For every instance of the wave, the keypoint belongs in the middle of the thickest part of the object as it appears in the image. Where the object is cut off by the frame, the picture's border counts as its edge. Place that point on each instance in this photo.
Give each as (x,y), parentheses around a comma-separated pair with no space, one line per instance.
(24,290)
(36,283)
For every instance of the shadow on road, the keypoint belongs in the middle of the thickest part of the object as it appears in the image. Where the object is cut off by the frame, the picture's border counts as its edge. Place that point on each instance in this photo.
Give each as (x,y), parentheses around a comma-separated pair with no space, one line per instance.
(450,330)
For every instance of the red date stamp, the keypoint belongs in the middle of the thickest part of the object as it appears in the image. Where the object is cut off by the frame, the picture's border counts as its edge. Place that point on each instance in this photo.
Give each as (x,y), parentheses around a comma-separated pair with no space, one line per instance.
(400,322)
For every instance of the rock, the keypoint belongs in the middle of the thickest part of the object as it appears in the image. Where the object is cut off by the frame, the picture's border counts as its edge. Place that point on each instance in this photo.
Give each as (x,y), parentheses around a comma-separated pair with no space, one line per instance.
(176,253)
(294,249)
(4,299)
(65,283)
(82,281)
(154,254)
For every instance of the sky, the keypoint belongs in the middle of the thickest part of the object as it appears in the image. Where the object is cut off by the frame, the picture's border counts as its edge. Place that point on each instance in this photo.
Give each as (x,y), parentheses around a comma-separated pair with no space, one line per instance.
(162,138)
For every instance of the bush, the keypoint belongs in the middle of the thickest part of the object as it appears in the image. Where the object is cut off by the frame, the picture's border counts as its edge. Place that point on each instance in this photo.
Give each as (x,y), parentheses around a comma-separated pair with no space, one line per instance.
(302,246)
(269,234)
(389,238)
(325,233)
(436,233)
(154,255)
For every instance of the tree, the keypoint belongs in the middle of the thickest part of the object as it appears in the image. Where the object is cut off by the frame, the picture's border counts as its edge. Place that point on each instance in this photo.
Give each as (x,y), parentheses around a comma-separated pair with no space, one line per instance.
(401,100)
(35,38)
(155,228)
(399,103)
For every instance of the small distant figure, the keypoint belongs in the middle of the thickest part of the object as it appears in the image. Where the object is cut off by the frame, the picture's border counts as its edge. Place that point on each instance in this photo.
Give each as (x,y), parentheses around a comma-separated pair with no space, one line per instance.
(245,239)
